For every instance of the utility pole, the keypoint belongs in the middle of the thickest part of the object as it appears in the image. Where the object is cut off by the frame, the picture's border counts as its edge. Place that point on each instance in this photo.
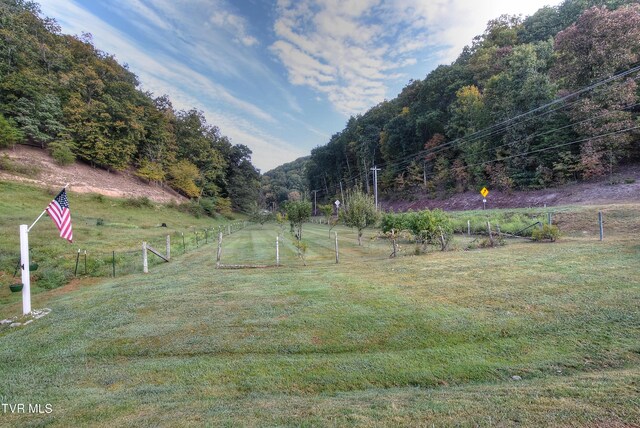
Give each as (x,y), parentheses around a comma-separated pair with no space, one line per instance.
(315,207)
(375,170)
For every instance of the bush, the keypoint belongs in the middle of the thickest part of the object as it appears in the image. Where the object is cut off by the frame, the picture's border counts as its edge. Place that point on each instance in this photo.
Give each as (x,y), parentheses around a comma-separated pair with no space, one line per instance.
(546,232)
(62,152)
(392,221)
(6,164)
(140,202)
(431,227)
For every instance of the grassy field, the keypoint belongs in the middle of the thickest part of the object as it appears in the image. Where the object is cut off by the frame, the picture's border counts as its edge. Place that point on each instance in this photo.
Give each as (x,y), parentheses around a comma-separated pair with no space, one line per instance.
(102,227)
(428,340)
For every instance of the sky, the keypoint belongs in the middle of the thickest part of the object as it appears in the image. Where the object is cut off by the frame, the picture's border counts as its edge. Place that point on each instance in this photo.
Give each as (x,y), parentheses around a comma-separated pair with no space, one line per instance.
(280,76)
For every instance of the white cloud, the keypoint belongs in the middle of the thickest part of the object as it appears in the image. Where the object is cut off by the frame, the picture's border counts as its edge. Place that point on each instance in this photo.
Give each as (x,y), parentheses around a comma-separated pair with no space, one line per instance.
(341,49)
(350,50)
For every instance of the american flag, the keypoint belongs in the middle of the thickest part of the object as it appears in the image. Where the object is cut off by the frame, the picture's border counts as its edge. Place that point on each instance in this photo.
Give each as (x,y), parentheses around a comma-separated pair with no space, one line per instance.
(59,212)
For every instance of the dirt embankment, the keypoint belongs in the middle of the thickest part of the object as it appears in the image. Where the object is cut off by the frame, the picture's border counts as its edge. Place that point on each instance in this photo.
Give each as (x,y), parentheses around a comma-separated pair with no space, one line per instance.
(622,187)
(83,178)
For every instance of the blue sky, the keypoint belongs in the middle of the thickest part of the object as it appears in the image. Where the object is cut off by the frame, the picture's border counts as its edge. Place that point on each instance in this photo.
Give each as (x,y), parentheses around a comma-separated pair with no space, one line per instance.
(280,76)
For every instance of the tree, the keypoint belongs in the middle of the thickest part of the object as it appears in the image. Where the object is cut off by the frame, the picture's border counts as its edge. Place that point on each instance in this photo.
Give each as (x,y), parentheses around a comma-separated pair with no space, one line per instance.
(9,134)
(298,212)
(327,212)
(360,212)
(184,175)
(431,227)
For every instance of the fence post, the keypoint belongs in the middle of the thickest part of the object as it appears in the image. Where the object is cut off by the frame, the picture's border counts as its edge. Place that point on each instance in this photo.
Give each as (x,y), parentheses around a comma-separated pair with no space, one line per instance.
(600,223)
(206,237)
(75,273)
(468,227)
(277,251)
(113,263)
(229,229)
(219,255)
(490,234)
(337,252)
(168,247)
(145,265)
(85,262)
(197,242)
(549,218)
(184,247)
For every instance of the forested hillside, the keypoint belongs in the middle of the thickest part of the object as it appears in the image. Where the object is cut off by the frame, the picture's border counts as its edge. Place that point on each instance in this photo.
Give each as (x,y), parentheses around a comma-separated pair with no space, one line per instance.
(288,181)
(61,93)
(532,103)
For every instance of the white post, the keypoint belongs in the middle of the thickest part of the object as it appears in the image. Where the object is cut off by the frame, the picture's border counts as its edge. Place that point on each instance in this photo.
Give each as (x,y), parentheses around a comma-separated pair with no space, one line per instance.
(145,266)
(375,170)
(468,227)
(277,251)
(168,247)
(219,255)
(24,261)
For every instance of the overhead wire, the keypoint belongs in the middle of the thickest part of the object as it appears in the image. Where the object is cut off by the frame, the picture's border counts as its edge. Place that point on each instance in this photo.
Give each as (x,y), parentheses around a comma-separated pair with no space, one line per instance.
(506,124)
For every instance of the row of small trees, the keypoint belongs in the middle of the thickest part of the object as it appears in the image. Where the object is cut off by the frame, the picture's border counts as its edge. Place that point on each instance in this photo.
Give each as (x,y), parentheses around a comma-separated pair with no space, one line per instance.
(359,212)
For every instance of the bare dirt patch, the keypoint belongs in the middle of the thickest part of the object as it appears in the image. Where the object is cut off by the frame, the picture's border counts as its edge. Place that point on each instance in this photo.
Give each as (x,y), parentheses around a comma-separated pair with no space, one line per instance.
(83,178)
(621,187)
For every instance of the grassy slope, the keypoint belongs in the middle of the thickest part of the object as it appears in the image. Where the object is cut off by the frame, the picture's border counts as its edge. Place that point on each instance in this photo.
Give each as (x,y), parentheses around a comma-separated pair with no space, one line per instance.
(123,229)
(417,340)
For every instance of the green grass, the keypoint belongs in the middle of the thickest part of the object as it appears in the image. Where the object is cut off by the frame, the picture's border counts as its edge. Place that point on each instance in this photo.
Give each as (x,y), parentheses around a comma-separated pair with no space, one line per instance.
(101,227)
(414,341)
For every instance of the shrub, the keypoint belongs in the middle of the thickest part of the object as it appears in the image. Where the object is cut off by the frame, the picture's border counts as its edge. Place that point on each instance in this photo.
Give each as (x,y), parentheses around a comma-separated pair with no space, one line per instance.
(151,171)
(139,202)
(9,134)
(360,212)
(546,232)
(431,227)
(7,164)
(62,152)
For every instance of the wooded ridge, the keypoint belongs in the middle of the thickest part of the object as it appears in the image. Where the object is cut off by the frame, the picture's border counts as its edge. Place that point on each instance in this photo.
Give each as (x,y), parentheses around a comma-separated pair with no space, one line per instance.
(61,93)
(532,103)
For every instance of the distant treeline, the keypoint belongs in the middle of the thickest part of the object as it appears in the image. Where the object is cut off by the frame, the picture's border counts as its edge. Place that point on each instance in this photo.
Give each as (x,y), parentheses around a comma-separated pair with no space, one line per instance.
(520,108)
(61,93)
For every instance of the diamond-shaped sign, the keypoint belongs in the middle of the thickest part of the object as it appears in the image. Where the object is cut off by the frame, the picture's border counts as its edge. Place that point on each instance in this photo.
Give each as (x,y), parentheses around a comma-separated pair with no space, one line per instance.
(484,192)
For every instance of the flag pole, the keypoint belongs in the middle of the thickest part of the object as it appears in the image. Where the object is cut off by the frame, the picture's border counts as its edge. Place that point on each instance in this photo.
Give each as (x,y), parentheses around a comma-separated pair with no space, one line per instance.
(24,261)
(40,216)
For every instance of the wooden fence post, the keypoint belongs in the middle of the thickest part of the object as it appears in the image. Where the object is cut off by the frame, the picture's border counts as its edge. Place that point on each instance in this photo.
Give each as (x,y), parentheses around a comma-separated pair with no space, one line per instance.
(490,234)
(600,223)
(168,247)
(468,227)
(219,255)
(75,273)
(145,265)
(337,252)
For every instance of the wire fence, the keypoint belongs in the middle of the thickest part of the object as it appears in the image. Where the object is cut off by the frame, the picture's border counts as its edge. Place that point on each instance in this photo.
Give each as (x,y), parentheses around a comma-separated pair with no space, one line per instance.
(52,269)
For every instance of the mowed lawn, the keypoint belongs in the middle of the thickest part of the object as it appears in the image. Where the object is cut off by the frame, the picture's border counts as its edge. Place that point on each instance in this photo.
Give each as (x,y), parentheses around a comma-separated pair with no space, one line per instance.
(528,334)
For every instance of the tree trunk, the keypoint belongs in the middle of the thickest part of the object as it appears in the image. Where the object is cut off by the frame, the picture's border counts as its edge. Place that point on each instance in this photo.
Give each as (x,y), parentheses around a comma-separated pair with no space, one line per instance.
(360,237)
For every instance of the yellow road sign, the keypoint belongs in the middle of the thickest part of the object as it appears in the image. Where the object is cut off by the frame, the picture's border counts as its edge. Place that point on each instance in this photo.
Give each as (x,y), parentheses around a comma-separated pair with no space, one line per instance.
(484,192)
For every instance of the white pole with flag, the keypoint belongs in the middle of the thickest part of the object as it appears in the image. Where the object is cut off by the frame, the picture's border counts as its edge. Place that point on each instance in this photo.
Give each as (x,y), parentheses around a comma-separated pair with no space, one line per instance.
(58,210)
(24,265)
